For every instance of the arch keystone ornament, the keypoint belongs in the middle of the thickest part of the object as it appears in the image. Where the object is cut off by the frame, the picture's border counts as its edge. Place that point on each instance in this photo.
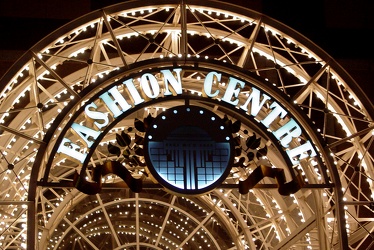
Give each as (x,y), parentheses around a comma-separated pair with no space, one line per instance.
(183,124)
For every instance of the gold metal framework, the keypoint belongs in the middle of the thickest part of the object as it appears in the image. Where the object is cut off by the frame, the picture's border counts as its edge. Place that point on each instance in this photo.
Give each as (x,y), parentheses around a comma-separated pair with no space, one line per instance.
(45,88)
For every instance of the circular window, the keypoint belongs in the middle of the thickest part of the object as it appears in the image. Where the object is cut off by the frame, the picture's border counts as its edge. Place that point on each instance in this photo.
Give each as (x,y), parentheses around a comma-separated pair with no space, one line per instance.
(188,149)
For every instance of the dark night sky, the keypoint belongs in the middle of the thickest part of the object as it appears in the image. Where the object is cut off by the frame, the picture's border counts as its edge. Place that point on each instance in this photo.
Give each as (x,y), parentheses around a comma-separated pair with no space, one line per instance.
(337,26)
(343,28)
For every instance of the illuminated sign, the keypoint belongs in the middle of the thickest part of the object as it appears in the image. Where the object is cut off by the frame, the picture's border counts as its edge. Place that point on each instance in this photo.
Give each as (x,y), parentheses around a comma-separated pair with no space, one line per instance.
(150,88)
(167,83)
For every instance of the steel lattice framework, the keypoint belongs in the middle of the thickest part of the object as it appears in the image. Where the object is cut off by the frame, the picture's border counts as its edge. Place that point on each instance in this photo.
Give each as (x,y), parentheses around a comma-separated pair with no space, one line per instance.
(45,88)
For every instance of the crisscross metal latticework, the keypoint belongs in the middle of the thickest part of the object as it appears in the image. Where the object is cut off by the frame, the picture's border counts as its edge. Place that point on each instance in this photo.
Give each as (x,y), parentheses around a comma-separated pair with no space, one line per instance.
(43,92)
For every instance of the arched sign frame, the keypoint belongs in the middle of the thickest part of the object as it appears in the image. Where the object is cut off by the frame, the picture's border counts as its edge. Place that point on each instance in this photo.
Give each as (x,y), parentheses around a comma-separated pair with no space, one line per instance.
(76,110)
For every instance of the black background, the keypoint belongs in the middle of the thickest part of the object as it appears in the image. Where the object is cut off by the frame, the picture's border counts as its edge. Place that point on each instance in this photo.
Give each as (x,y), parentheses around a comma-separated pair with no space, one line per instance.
(343,28)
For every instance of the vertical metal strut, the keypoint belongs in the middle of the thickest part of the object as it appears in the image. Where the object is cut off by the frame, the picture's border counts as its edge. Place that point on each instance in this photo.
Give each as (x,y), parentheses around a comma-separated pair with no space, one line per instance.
(183,43)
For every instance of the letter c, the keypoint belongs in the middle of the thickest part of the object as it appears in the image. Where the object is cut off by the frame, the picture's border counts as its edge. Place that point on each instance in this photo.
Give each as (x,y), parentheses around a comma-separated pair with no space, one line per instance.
(208,83)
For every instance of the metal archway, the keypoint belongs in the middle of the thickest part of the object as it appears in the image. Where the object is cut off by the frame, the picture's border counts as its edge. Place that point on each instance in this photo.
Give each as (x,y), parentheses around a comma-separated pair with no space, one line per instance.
(45,88)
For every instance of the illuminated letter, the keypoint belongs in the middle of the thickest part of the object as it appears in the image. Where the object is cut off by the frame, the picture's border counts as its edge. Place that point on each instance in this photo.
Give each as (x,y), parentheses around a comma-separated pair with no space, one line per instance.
(112,103)
(288,131)
(95,115)
(71,150)
(149,84)
(210,78)
(254,99)
(134,94)
(232,91)
(88,135)
(277,111)
(301,152)
(176,84)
